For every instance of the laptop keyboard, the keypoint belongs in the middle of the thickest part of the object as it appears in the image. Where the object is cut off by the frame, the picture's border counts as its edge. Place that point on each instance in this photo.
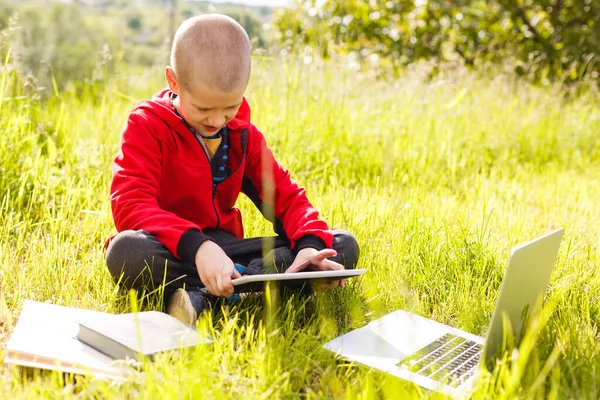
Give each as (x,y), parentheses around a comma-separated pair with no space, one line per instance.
(450,359)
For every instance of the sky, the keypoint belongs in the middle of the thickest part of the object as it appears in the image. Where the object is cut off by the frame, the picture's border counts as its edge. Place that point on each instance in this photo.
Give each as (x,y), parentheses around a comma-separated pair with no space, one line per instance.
(272,3)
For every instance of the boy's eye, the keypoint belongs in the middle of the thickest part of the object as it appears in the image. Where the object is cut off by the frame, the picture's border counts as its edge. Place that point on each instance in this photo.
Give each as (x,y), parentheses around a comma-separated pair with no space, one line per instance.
(204,109)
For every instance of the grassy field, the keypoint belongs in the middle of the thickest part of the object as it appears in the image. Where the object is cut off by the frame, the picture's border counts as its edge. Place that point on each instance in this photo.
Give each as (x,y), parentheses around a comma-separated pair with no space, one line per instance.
(437,180)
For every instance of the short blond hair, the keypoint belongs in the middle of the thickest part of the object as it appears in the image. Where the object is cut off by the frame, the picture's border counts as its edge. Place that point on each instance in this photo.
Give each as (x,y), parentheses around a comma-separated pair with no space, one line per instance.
(212,48)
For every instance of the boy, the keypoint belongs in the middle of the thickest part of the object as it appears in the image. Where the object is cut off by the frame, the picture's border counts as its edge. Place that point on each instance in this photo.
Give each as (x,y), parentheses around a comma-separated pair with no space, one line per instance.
(185,156)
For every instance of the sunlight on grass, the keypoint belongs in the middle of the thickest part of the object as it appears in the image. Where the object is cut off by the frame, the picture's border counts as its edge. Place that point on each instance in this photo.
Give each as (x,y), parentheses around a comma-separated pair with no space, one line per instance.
(437,180)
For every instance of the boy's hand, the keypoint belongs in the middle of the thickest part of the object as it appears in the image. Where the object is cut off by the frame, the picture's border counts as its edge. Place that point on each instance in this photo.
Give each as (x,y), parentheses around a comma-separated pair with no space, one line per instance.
(317,260)
(215,269)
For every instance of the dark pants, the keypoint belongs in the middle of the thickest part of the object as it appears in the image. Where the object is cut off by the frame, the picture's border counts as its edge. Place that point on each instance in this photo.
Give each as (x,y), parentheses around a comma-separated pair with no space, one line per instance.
(136,260)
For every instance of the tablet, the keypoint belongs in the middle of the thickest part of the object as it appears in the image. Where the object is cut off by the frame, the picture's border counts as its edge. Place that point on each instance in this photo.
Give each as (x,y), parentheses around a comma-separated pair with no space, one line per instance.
(256,283)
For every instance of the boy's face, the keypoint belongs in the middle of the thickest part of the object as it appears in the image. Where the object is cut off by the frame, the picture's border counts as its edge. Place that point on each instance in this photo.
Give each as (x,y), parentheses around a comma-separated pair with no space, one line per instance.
(206,110)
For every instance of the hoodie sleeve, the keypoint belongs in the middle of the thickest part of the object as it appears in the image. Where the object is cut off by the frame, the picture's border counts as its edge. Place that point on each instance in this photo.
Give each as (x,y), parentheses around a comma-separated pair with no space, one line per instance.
(280,199)
(135,190)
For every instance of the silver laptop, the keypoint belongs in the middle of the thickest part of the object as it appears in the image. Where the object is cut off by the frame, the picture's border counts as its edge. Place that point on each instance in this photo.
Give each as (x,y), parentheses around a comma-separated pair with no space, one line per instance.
(445,359)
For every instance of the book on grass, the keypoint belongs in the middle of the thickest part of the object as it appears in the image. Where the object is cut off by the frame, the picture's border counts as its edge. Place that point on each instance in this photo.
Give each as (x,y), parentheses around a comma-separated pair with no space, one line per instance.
(44,337)
(137,335)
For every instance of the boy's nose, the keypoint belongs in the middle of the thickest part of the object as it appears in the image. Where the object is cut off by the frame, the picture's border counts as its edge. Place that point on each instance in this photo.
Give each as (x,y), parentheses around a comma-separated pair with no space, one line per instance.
(217,120)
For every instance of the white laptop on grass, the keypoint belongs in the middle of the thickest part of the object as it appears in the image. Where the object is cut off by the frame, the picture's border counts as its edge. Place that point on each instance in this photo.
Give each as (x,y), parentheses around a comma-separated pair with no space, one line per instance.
(439,357)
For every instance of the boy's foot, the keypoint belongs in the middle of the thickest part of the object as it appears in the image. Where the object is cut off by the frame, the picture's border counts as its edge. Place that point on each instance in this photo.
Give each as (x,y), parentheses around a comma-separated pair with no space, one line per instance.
(186,306)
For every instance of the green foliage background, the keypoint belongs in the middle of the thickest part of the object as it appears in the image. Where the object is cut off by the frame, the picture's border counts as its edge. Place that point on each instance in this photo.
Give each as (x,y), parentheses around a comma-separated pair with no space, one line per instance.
(549,39)
(57,45)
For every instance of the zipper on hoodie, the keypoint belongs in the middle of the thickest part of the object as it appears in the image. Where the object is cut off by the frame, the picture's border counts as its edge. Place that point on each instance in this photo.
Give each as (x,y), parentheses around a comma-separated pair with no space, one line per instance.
(212,182)
(243,138)
(214,187)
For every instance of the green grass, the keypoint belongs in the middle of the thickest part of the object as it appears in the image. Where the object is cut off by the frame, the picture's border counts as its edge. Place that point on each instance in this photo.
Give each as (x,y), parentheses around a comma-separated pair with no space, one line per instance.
(437,180)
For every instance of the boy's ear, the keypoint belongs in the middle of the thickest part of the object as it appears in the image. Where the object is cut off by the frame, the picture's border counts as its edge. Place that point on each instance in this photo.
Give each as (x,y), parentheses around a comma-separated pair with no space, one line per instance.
(172,80)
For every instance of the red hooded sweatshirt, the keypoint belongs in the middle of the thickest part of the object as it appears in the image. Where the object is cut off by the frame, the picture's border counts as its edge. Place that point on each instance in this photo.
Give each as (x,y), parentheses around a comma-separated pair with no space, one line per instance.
(162,183)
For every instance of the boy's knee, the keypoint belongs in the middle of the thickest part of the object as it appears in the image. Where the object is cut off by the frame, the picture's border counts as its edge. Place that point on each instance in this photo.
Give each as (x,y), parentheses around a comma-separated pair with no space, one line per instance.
(127,254)
(347,247)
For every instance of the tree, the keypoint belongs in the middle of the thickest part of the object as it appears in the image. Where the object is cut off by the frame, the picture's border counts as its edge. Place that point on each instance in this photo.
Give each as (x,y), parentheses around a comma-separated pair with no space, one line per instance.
(542,38)
(251,25)
(134,23)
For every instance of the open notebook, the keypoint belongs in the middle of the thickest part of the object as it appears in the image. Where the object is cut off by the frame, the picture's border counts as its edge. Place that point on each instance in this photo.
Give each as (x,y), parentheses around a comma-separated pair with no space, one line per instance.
(44,337)
(88,342)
